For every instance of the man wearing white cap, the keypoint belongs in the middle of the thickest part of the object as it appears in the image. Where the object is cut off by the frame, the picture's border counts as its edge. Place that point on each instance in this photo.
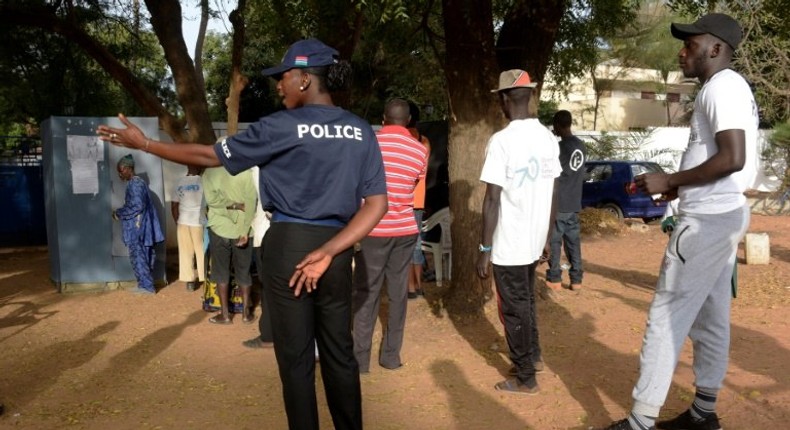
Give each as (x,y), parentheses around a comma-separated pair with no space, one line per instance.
(521,165)
(693,292)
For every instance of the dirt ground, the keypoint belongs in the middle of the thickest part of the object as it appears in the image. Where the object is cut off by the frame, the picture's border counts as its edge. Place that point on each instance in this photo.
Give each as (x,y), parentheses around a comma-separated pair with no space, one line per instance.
(115,360)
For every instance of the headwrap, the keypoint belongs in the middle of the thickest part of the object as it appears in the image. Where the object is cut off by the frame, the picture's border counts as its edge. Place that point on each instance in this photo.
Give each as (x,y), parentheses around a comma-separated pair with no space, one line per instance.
(126,161)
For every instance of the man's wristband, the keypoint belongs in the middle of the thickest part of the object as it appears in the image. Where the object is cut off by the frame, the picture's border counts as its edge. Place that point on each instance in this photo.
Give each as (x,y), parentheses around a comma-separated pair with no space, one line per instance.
(483,248)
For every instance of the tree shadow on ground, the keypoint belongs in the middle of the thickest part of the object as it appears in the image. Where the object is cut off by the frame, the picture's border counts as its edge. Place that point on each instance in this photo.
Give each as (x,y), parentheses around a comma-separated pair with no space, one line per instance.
(614,375)
(628,278)
(465,400)
(478,331)
(48,364)
(781,253)
(24,314)
(751,351)
(20,274)
(127,364)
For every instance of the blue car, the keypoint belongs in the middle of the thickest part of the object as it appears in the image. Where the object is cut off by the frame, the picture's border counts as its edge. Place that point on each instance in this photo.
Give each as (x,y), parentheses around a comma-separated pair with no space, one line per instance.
(609,185)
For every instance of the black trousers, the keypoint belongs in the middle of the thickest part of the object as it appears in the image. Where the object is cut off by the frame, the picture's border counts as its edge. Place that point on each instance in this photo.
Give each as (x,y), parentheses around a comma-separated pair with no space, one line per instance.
(265,321)
(322,316)
(516,289)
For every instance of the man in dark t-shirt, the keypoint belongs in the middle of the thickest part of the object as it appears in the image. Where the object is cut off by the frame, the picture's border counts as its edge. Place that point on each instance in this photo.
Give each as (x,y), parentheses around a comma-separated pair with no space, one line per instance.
(566,231)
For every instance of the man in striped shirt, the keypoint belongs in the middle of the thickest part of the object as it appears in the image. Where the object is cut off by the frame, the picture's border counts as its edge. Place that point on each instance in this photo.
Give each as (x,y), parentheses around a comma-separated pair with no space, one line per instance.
(386,252)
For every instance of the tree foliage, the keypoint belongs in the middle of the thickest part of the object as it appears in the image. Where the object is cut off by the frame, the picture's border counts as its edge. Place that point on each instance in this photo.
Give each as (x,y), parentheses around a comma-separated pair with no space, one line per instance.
(776,155)
(763,55)
(84,24)
(443,53)
(42,74)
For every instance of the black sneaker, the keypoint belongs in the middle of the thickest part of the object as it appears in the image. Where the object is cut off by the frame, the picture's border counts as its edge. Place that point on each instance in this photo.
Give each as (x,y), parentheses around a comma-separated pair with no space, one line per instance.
(622,425)
(685,421)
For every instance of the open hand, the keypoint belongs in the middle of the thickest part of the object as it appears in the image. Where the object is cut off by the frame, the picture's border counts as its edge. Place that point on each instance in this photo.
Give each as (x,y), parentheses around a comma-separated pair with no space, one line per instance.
(130,137)
(309,271)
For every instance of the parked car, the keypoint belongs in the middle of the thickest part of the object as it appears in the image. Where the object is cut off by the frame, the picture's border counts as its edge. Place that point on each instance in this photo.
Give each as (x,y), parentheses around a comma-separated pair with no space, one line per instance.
(609,185)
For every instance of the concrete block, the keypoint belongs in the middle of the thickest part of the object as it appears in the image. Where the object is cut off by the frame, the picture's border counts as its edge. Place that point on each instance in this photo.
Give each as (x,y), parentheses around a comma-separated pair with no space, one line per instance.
(758,249)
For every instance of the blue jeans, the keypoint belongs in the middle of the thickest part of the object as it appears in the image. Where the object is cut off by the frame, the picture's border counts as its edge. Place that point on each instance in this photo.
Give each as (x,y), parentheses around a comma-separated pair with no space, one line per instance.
(566,231)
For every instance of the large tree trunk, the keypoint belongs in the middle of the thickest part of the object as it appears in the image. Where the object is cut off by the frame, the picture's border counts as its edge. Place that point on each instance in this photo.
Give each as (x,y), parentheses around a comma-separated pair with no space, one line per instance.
(201,39)
(471,72)
(166,22)
(472,68)
(527,37)
(237,80)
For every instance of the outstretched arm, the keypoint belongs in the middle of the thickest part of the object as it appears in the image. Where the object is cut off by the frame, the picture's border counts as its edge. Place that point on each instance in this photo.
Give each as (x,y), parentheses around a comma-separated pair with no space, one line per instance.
(183,153)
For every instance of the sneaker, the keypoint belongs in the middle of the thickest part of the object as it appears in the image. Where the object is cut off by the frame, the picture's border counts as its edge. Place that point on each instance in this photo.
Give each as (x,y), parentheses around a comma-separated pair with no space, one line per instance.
(411,295)
(685,421)
(515,386)
(191,286)
(142,291)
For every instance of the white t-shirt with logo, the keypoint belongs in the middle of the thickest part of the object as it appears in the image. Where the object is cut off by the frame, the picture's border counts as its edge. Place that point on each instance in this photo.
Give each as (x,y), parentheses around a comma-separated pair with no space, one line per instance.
(523,159)
(191,204)
(725,102)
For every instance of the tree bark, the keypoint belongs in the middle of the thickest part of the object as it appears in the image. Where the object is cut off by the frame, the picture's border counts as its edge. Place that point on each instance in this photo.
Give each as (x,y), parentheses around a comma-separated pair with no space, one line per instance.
(201,38)
(527,37)
(471,72)
(166,22)
(237,80)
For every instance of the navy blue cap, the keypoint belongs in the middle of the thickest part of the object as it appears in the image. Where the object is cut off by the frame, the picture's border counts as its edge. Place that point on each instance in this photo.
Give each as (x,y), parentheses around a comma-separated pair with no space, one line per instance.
(304,53)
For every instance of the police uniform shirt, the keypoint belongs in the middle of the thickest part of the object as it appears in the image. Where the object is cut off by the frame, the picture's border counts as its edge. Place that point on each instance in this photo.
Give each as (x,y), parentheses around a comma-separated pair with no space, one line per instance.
(317,162)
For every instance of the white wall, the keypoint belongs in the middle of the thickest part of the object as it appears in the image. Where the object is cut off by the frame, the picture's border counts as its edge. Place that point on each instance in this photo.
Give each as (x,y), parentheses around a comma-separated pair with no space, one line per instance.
(675,139)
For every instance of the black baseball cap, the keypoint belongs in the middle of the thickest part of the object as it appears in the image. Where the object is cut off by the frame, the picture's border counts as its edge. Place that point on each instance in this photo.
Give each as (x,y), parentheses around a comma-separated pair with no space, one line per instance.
(717,24)
(304,53)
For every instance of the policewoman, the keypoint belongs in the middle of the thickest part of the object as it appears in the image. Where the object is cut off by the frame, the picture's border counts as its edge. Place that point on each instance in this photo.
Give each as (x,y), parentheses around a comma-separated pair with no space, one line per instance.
(322,177)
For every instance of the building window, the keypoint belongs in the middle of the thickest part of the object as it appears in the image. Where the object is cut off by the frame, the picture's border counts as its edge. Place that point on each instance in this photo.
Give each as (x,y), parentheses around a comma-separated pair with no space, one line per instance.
(673,97)
(648,95)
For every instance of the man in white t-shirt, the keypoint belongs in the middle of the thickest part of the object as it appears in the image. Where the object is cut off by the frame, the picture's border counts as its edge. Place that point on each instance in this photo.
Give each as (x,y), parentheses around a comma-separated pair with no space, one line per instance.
(521,165)
(189,212)
(693,293)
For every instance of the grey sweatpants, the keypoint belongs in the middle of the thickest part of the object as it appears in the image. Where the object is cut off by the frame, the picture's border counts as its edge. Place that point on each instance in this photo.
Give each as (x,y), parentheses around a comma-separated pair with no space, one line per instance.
(692,299)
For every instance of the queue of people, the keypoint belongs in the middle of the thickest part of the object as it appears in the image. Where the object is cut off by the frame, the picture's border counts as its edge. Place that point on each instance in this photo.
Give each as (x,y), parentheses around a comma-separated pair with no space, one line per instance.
(327,192)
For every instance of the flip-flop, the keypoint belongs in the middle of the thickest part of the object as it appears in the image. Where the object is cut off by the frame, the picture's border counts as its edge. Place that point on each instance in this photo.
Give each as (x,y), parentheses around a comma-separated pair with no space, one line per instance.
(219,319)
(248,319)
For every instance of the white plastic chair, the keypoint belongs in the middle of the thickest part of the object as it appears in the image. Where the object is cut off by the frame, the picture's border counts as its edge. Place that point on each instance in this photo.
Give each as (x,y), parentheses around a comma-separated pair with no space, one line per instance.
(444,247)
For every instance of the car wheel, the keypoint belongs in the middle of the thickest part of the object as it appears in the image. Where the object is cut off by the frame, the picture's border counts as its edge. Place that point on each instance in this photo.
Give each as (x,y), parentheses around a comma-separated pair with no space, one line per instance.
(613,209)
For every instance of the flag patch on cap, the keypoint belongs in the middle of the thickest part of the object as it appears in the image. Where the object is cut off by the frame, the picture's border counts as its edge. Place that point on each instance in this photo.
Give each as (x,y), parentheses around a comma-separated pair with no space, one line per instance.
(521,80)
(300,60)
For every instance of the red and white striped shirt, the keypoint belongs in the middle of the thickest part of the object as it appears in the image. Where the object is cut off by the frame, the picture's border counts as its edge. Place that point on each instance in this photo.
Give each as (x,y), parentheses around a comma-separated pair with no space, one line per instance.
(405,162)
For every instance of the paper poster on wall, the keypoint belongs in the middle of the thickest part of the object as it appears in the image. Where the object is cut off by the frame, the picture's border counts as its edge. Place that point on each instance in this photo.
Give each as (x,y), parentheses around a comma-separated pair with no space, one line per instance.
(84,154)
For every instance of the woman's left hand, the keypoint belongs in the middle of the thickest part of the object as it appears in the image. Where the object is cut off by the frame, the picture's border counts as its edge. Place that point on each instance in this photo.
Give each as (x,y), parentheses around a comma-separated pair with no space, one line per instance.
(130,137)
(309,271)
